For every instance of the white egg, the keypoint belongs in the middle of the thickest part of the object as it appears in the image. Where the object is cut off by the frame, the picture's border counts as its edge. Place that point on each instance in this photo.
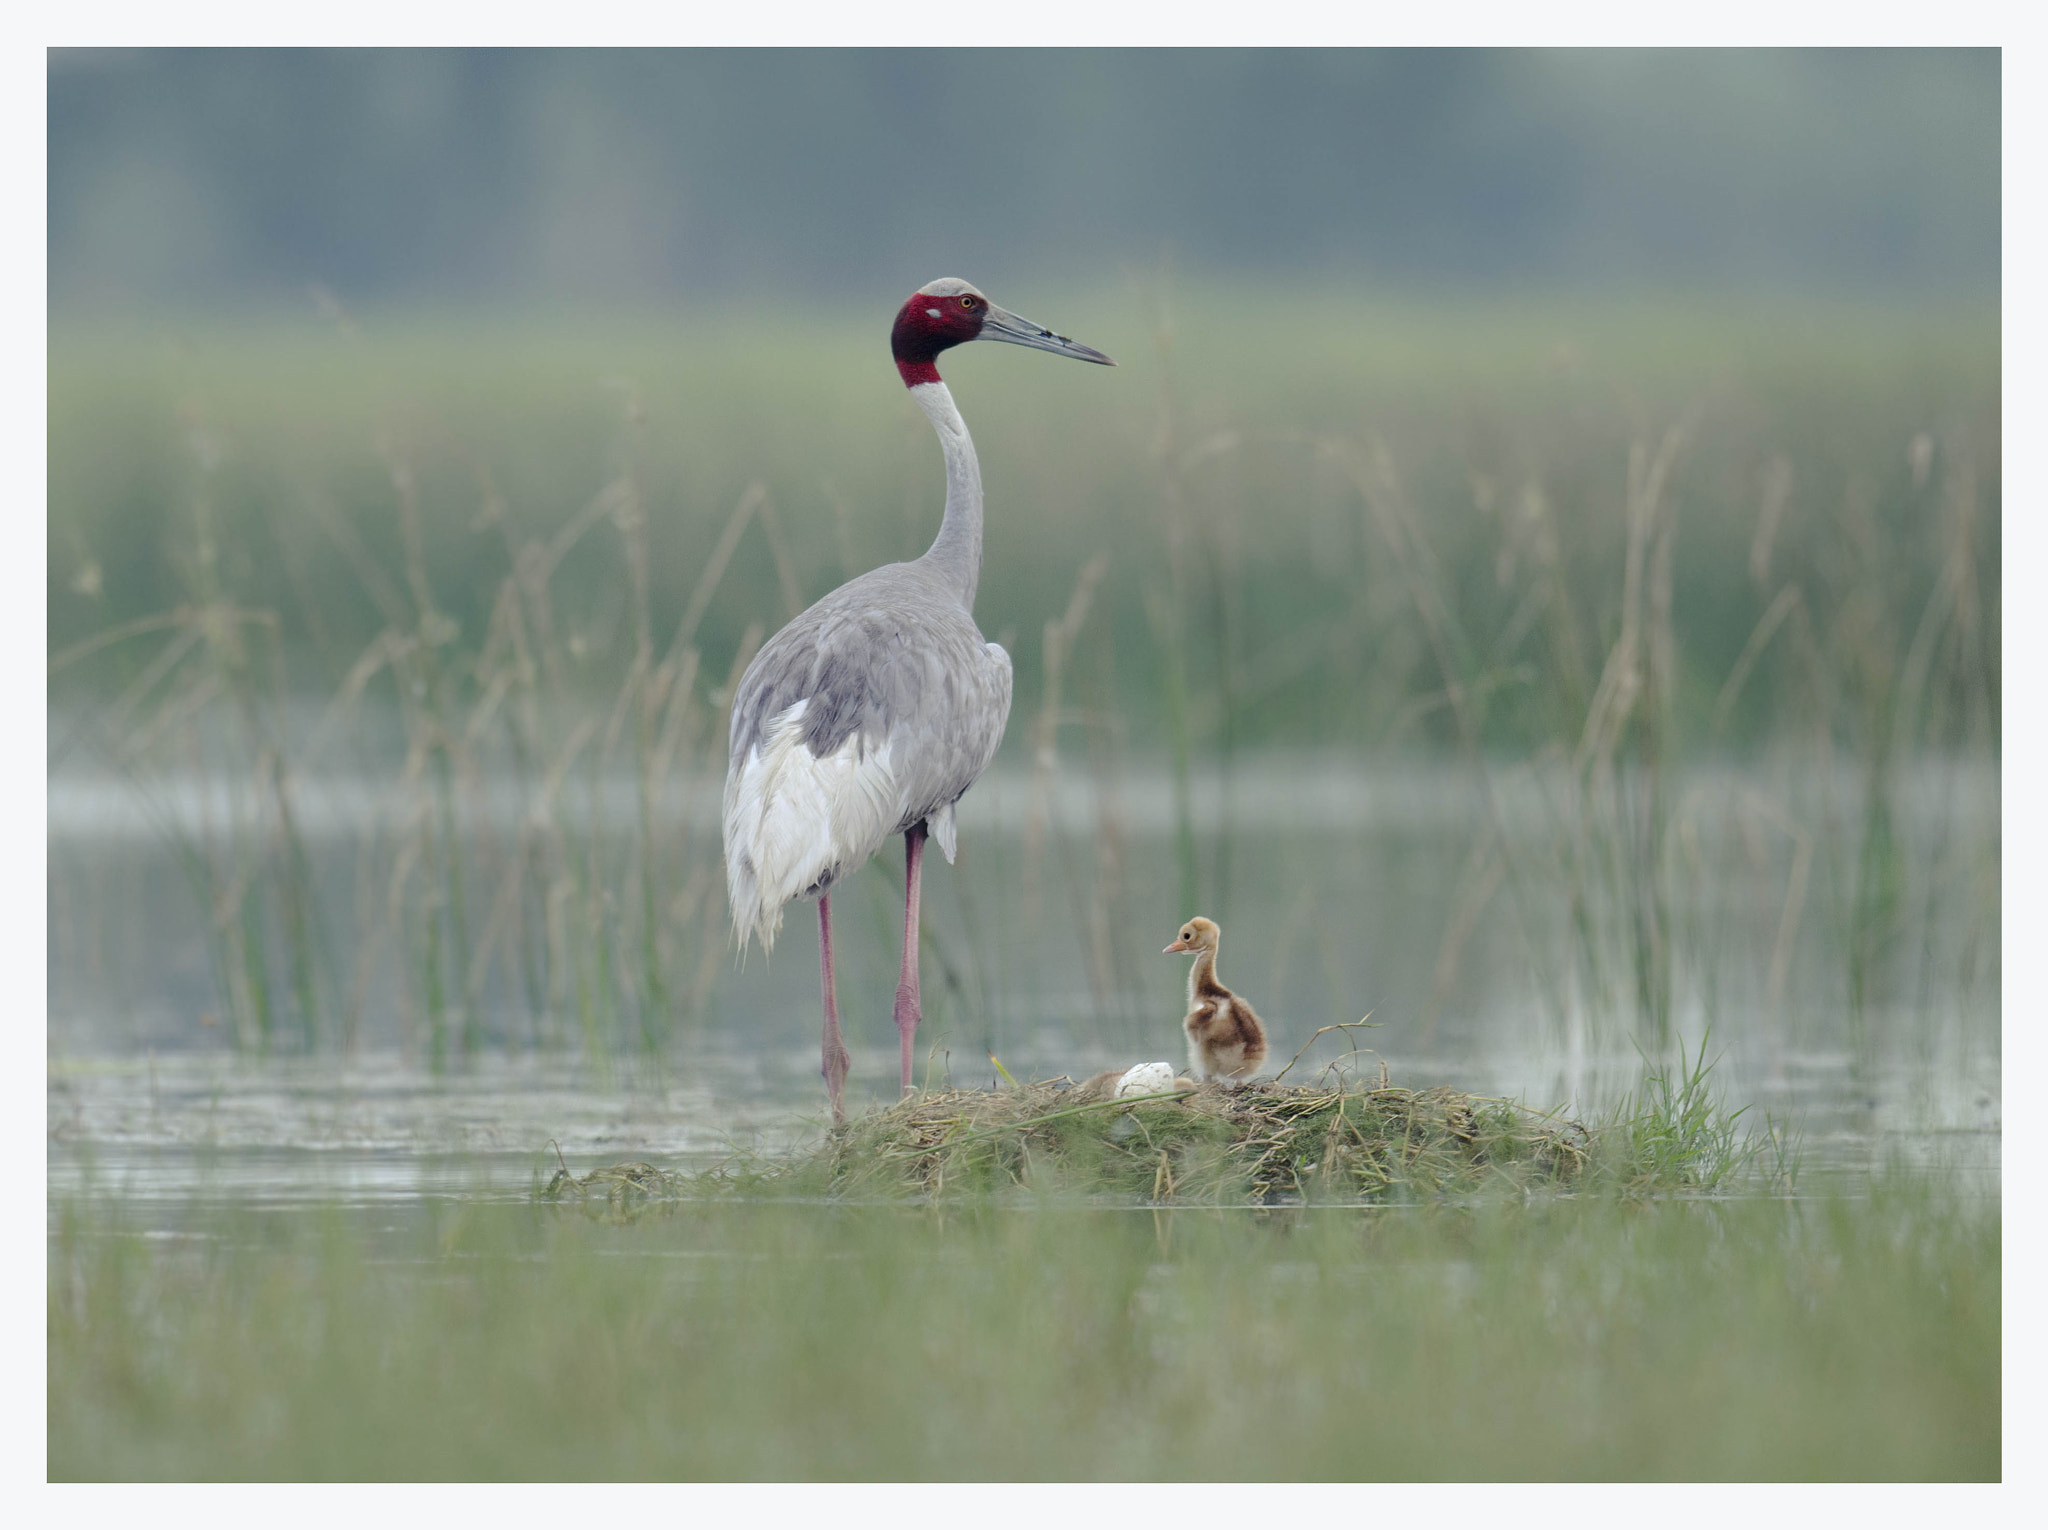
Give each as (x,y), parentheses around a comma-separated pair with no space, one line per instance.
(1146,1078)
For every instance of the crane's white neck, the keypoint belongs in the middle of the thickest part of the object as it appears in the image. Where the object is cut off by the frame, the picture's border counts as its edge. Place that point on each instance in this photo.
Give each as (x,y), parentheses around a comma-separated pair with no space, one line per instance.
(956,553)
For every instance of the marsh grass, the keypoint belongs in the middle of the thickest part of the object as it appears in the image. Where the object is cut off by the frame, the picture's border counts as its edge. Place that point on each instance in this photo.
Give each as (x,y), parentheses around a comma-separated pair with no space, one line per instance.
(1842,1337)
(1673,1132)
(585,939)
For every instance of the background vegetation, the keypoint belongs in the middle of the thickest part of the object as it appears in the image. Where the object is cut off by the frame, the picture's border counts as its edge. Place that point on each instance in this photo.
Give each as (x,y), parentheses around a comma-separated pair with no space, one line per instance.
(1584,550)
(1333,499)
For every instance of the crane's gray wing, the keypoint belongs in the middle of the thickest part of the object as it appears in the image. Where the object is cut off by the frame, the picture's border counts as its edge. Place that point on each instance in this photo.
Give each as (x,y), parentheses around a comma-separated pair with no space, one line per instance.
(872,711)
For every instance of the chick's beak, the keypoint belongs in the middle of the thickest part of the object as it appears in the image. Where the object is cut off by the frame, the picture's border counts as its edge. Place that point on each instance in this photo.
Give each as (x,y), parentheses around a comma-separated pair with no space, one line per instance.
(1178,945)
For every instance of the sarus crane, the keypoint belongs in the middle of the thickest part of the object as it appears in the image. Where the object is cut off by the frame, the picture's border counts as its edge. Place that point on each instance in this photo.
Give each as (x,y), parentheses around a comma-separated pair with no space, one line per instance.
(873,712)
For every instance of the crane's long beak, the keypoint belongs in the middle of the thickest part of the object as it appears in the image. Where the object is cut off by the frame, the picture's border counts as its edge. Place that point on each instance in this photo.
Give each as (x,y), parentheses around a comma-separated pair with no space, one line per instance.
(1001,324)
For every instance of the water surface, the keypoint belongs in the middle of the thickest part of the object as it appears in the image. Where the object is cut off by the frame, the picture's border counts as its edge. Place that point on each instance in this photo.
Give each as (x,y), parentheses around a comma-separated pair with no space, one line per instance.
(1344,892)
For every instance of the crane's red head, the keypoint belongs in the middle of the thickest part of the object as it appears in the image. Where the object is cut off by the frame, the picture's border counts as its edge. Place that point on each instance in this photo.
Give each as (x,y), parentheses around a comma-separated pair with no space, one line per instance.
(948,312)
(939,316)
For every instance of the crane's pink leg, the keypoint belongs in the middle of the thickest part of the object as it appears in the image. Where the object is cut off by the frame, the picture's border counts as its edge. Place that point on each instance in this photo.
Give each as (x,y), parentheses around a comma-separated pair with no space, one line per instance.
(907,1014)
(836,1061)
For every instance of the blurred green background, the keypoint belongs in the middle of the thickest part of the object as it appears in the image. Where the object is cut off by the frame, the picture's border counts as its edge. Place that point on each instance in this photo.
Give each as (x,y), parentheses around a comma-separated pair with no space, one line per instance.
(278,277)
(645,178)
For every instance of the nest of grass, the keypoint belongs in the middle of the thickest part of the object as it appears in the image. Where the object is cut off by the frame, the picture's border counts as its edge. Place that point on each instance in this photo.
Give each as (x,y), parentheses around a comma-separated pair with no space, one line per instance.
(1261,1143)
(1258,1143)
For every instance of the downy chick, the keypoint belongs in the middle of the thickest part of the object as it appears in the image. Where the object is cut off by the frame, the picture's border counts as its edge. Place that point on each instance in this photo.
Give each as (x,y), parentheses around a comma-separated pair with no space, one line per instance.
(1225,1038)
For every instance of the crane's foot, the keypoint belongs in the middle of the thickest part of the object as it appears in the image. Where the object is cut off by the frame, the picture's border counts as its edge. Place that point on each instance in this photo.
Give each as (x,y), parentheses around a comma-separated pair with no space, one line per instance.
(836,1066)
(836,1062)
(907,1017)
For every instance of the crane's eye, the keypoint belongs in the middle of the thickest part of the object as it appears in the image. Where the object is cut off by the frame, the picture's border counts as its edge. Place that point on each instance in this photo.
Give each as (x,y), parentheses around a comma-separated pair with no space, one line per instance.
(967,302)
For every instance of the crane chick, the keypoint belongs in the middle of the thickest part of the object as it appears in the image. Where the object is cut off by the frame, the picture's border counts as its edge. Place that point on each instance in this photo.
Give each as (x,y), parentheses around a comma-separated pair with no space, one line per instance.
(1225,1038)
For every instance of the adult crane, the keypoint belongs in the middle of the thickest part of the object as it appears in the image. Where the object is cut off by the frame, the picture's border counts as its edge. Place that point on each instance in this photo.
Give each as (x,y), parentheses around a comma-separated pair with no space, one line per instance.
(871,714)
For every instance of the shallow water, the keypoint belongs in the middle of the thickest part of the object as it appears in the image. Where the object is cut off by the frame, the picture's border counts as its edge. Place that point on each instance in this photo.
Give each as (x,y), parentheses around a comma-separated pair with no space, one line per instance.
(1336,887)
(161,1133)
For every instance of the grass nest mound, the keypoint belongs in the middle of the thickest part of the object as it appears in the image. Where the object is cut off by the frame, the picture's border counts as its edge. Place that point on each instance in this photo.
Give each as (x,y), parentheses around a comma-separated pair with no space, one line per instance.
(1259,1143)
(1262,1143)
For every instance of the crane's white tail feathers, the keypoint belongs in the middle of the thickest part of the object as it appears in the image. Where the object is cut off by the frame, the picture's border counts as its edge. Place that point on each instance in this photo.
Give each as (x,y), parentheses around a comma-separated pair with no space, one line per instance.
(945,834)
(795,820)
